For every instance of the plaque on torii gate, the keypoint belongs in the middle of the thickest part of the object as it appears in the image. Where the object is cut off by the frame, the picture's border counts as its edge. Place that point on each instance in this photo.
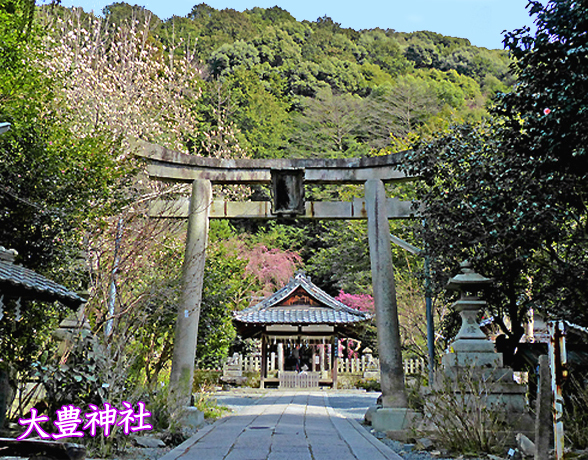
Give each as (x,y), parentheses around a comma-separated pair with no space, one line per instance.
(287,178)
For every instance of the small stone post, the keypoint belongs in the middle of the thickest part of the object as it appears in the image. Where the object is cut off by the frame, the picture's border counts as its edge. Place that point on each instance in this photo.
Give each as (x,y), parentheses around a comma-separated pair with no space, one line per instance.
(186,332)
(392,373)
(335,361)
(544,418)
(262,371)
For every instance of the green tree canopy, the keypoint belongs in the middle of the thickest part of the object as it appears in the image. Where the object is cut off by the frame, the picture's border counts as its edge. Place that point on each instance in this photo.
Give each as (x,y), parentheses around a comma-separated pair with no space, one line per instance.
(510,195)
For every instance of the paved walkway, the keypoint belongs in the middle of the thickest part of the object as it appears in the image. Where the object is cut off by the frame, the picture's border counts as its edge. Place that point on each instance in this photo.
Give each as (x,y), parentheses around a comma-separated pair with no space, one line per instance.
(284,425)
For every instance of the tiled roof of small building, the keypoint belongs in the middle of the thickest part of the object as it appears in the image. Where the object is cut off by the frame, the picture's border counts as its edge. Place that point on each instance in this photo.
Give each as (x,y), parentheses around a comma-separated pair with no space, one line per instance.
(330,310)
(17,281)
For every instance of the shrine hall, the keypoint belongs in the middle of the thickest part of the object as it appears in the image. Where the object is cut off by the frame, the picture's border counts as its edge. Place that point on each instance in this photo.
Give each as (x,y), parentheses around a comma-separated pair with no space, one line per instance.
(300,326)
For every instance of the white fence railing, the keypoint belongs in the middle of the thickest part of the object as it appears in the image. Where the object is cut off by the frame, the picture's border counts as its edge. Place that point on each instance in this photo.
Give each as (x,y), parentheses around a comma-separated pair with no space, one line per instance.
(291,379)
(345,365)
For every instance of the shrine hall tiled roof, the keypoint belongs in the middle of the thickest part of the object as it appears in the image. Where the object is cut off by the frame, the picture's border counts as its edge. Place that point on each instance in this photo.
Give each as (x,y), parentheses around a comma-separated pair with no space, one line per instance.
(17,281)
(323,310)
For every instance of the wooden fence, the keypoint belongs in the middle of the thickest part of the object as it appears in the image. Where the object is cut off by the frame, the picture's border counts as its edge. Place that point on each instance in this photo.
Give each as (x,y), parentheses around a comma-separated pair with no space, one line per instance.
(292,379)
(346,365)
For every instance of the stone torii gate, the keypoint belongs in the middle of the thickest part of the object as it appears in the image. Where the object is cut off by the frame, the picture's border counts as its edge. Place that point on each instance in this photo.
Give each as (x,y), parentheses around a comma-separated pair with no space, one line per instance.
(287,178)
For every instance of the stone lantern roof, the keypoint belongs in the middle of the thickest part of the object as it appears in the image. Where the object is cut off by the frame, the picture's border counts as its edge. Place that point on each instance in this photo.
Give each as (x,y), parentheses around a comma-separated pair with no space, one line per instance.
(468,280)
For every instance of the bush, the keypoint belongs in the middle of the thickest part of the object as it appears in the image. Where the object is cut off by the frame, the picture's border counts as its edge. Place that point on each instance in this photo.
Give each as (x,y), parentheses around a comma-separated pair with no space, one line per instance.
(207,404)
(369,384)
(465,414)
(206,378)
(576,413)
(348,381)
(81,379)
(253,379)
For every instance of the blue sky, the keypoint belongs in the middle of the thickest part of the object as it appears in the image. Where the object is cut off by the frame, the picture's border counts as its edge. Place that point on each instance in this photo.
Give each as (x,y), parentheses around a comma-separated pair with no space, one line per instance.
(480,21)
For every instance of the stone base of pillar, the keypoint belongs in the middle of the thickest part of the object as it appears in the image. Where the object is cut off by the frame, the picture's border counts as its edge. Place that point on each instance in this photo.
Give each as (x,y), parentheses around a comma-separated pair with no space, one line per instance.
(191,419)
(392,419)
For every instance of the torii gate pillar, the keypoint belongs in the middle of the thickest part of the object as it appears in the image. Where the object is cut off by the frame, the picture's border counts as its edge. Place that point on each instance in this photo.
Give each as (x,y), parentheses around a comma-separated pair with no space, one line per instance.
(186,333)
(391,371)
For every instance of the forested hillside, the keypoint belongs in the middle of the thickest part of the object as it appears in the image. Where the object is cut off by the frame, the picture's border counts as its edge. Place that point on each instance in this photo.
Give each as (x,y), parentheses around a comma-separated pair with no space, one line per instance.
(286,88)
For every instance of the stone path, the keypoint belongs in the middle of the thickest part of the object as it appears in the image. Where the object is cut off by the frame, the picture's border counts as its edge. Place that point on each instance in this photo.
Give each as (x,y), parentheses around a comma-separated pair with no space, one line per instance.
(284,425)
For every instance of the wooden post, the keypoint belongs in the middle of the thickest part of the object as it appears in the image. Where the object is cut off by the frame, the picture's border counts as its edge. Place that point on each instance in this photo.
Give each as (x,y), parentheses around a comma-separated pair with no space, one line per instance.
(280,356)
(186,332)
(557,364)
(335,361)
(392,375)
(263,361)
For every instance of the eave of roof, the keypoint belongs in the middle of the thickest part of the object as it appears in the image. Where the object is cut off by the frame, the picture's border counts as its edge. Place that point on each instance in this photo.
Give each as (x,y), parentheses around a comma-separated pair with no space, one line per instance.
(330,312)
(17,281)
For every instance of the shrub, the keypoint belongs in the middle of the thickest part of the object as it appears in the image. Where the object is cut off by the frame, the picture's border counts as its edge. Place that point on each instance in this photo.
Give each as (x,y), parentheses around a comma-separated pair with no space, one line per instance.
(348,381)
(466,414)
(576,413)
(369,384)
(253,379)
(206,378)
(207,404)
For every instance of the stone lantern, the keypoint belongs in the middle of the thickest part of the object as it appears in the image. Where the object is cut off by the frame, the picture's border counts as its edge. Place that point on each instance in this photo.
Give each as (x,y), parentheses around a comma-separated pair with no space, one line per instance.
(472,356)
(471,346)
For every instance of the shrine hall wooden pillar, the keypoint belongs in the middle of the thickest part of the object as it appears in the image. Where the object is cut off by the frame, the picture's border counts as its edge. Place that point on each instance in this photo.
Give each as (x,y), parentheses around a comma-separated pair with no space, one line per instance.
(263,370)
(334,360)
(280,356)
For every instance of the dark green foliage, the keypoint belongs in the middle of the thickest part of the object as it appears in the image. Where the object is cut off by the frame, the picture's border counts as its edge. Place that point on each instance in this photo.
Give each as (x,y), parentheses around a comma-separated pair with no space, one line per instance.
(77,380)
(469,193)
(548,107)
(121,13)
(545,119)
(26,341)
(16,24)
(384,51)
(226,288)
(261,113)
(341,262)
(510,195)
(240,55)
(311,56)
